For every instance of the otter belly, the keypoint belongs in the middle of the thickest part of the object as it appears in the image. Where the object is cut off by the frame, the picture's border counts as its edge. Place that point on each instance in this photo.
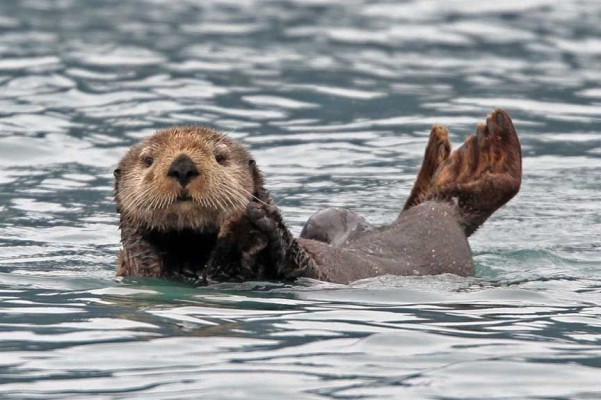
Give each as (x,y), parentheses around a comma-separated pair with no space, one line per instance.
(425,240)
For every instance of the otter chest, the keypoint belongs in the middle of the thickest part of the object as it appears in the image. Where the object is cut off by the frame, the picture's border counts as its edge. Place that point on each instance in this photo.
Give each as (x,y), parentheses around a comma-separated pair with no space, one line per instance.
(183,252)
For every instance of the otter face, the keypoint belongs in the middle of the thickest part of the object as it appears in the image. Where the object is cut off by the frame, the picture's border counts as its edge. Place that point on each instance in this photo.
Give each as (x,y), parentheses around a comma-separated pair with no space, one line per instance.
(185,178)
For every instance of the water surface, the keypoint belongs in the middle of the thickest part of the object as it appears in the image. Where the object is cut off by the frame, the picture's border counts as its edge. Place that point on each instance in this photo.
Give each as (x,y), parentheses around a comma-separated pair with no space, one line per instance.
(335,99)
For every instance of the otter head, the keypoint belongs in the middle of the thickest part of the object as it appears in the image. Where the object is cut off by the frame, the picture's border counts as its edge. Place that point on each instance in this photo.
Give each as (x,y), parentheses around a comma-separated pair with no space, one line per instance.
(185,178)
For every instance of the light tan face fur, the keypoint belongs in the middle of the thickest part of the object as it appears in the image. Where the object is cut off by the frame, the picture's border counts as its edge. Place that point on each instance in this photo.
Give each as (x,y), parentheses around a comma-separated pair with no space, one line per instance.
(147,196)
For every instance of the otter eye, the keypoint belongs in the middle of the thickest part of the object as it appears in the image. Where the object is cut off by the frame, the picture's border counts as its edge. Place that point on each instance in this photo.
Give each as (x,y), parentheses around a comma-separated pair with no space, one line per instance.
(252,163)
(220,158)
(148,161)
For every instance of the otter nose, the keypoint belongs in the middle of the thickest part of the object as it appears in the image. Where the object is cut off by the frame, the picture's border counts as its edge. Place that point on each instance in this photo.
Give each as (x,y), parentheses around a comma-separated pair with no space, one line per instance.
(183,170)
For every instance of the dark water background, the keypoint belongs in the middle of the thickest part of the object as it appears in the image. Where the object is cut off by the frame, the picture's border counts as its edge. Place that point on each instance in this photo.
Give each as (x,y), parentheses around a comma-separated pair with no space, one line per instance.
(335,99)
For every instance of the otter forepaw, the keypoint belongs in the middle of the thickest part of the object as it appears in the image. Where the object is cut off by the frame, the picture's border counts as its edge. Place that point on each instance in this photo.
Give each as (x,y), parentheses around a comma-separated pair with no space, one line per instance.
(287,257)
(237,252)
(263,218)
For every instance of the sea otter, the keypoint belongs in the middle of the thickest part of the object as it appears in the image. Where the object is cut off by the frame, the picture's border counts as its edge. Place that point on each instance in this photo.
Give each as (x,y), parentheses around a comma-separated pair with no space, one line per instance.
(177,219)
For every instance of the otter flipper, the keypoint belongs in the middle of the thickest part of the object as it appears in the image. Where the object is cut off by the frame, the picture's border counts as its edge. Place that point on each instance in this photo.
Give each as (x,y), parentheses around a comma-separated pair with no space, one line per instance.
(437,151)
(483,174)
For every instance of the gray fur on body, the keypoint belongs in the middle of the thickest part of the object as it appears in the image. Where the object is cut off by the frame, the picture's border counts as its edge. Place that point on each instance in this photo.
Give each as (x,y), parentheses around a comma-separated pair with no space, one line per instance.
(425,240)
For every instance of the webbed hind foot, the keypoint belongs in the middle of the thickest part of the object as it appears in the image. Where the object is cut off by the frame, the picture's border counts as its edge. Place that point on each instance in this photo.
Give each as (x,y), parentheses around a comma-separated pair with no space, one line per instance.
(481,175)
(437,151)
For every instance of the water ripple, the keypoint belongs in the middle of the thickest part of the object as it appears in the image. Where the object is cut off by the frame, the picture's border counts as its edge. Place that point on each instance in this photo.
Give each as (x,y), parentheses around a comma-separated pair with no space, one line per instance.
(335,100)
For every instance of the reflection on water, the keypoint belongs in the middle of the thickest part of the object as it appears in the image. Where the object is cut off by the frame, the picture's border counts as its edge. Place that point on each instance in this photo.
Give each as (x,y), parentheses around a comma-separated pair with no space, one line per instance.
(335,99)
